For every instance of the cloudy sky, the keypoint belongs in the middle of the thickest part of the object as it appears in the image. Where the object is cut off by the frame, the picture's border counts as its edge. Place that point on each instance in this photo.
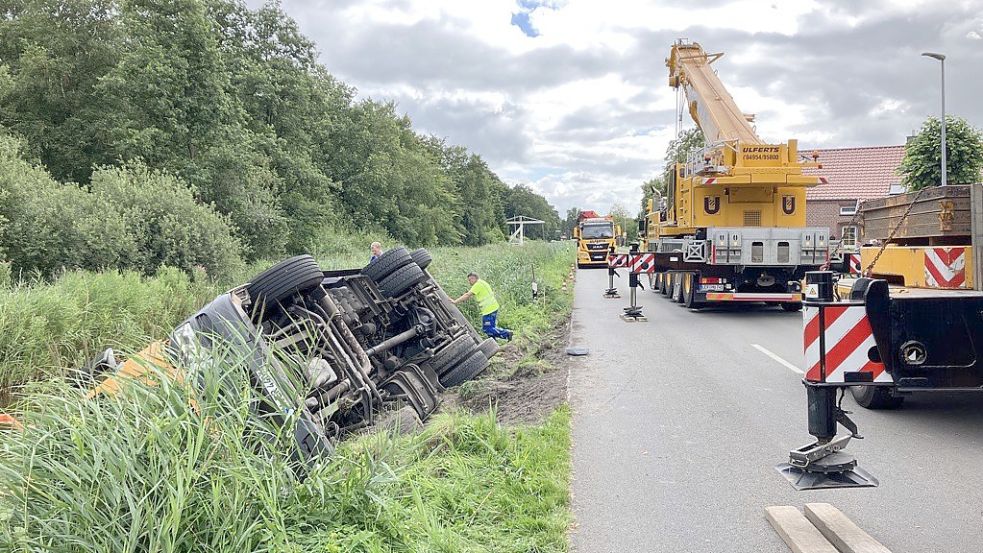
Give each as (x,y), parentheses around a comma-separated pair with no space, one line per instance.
(571,96)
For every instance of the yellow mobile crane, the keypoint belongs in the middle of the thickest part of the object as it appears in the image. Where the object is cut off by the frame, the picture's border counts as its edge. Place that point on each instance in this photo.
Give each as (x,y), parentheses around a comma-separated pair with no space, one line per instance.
(732,225)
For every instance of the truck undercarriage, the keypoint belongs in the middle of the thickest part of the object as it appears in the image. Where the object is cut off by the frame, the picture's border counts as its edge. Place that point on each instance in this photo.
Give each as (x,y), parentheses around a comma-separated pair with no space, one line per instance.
(332,349)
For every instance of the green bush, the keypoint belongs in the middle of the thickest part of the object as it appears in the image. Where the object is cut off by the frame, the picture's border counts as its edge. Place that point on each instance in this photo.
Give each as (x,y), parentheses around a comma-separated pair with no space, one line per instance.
(129,218)
(48,226)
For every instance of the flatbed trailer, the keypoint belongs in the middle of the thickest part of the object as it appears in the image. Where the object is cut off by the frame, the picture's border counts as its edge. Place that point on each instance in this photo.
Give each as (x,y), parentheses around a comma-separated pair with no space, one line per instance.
(905,331)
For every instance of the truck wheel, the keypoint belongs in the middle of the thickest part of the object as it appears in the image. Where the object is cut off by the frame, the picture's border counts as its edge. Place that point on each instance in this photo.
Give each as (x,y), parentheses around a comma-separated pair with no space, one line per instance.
(667,289)
(295,275)
(422,257)
(401,280)
(792,306)
(387,264)
(678,288)
(489,347)
(468,369)
(452,353)
(656,282)
(875,397)
(689,290)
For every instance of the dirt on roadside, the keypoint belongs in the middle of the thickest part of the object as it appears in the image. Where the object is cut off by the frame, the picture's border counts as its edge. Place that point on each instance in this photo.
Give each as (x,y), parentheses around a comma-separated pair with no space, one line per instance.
(524,384)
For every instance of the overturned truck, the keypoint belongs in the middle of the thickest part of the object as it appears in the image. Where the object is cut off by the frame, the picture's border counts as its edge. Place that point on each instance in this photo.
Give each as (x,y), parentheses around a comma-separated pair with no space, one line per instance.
(332,349)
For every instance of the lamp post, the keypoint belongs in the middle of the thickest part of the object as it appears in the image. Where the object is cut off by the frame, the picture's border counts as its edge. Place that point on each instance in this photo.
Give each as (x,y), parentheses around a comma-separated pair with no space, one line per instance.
(941,58)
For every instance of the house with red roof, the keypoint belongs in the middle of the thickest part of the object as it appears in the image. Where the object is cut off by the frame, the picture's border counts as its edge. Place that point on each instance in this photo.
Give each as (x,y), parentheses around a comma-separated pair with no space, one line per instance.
(852,175)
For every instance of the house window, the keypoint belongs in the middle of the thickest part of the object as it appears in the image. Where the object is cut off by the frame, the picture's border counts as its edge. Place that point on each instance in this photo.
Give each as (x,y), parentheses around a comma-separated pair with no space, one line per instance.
(848,210)
(848,236)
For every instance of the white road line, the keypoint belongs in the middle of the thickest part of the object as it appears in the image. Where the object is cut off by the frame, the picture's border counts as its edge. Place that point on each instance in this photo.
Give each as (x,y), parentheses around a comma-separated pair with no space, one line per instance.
(788,365)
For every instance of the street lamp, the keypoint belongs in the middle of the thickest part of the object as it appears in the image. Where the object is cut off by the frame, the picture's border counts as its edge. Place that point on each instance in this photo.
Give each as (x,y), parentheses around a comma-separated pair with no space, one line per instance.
(941,58)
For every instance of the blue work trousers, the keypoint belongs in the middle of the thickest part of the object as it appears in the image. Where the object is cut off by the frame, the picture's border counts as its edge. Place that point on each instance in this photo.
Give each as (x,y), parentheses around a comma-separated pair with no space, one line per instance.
(489,324)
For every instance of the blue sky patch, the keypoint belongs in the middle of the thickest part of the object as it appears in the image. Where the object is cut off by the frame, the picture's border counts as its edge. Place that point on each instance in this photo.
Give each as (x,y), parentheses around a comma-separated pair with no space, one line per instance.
(521,20)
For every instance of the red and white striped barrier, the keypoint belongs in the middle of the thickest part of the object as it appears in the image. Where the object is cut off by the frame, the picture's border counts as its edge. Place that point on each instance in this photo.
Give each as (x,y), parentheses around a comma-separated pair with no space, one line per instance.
(618,260)
(853,263)
(945,267)
(643,263)
(637,263)
(848,340)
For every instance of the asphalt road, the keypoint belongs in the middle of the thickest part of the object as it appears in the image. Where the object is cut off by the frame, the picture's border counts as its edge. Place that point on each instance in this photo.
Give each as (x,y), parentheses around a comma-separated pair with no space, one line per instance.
(679,421)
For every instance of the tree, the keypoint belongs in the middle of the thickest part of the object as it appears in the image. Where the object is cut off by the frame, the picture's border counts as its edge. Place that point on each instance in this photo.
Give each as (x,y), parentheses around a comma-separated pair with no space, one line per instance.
(56,52)
(522,200)
(570,222)
(623,218)
(680,148)
(922,164)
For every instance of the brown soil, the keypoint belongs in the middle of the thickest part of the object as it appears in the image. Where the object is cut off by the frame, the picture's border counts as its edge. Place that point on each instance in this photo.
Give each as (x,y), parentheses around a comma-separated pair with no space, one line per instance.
(523,385)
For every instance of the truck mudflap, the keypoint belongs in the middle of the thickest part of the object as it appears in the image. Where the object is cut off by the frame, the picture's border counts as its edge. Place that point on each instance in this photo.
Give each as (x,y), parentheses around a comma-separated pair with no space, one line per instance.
(755,297)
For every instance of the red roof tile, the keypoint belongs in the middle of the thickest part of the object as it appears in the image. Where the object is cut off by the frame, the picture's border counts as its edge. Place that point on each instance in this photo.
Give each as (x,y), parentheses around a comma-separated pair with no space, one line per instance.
(855,173)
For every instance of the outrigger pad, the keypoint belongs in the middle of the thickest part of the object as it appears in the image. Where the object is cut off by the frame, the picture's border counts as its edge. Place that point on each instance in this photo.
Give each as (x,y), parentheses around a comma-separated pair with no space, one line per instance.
(816,479)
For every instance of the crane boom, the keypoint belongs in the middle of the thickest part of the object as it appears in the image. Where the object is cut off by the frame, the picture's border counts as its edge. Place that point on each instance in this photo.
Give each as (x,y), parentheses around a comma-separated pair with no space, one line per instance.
(710,105)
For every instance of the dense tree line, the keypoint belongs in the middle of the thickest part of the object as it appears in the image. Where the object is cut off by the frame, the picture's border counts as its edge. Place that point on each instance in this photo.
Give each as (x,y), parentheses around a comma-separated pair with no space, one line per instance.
(230,105)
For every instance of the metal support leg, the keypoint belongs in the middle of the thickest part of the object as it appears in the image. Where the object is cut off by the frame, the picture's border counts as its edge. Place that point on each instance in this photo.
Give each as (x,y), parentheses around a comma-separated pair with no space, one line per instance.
(633,313)
(611,292)
(823,463)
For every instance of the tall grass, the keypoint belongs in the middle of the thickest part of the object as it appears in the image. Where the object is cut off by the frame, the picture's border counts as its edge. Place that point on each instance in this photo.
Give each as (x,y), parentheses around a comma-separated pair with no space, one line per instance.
(153,471)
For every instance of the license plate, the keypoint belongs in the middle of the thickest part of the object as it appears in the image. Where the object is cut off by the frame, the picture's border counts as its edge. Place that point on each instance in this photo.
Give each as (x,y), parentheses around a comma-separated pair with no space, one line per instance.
(711,288)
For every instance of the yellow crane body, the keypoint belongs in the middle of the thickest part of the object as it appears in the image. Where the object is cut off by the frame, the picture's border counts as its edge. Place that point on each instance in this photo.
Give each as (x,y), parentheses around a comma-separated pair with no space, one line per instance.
(732,225)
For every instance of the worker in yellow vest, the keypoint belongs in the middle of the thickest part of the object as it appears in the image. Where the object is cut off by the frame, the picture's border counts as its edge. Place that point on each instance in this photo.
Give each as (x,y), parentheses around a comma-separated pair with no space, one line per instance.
(482,292)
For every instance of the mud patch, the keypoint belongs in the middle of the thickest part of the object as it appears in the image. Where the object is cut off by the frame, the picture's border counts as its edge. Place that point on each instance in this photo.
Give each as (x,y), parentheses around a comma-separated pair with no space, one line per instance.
(524,384)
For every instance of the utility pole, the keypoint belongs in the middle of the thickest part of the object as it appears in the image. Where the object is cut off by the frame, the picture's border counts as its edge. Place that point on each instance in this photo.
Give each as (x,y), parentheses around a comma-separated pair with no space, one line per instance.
(941,58)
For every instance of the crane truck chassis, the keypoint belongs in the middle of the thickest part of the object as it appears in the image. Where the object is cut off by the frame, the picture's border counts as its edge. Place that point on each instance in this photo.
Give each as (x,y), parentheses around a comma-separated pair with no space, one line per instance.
(331,349)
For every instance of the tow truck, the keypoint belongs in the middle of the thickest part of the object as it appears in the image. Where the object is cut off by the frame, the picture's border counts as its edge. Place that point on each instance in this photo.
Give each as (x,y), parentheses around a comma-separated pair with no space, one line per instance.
(596,236)
(732,226)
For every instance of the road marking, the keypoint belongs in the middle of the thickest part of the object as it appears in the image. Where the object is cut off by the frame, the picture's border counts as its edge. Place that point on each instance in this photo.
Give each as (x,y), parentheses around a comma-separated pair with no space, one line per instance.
(787,365)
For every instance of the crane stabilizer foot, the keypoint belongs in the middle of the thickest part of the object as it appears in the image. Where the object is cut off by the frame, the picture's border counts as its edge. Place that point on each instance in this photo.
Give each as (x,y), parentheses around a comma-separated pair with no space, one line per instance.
(633,315)
(824,465)
(612,293)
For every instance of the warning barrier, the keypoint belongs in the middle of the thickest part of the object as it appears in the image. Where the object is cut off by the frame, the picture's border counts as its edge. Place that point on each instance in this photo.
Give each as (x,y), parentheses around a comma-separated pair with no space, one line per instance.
(845,352)
(945,267)
(639,263)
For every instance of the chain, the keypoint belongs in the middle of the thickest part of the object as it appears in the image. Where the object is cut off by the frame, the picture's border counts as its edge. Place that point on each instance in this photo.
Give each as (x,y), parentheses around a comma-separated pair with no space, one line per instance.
(894,232)
(839,244)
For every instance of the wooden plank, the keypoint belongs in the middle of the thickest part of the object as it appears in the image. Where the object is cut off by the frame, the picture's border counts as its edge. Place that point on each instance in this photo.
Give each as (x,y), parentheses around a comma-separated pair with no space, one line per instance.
(976,210)
(796,531)
(841,531)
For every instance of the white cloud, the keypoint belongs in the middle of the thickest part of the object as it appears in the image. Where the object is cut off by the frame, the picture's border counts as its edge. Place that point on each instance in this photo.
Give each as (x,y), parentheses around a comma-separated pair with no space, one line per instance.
(582,112)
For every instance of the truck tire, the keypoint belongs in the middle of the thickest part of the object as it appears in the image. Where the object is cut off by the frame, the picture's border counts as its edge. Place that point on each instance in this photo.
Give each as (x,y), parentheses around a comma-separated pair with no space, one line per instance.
(656,282)
(678,288)
(387,263)
(875,397)
(401,280)
(689,290)
(298,274)
(792,307)
(451,354)
(422,257)
(667,288)
(466,370)
(489,347)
